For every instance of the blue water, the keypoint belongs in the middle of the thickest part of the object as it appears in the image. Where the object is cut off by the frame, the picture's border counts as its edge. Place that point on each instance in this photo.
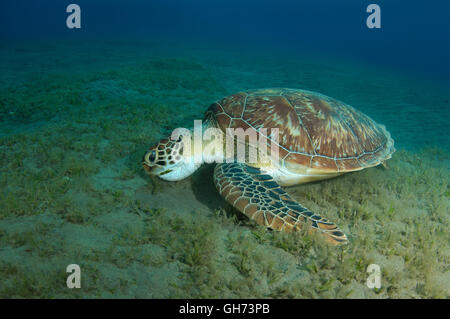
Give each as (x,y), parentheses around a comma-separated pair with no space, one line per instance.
(413,41)
(414,35)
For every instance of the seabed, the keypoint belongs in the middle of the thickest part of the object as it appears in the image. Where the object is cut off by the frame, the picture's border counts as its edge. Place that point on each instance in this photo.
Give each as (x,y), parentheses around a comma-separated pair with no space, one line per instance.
(76,120)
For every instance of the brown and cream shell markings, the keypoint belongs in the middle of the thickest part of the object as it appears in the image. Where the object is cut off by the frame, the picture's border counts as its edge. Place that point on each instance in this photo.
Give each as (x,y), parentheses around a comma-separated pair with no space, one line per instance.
(316,131)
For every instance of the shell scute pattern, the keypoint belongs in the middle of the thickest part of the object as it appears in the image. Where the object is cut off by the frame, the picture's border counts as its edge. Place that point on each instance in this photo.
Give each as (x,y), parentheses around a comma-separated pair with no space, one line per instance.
(315,131)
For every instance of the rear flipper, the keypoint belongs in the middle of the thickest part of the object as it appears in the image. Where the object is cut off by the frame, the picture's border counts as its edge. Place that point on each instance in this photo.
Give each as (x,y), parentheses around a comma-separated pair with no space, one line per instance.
(258,196)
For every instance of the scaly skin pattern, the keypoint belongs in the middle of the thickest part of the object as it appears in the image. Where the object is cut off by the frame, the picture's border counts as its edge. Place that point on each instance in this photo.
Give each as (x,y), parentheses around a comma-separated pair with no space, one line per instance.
(259,197)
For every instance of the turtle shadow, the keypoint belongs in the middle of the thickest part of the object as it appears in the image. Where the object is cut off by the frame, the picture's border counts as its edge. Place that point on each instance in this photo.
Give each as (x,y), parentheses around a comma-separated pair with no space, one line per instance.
(205,191)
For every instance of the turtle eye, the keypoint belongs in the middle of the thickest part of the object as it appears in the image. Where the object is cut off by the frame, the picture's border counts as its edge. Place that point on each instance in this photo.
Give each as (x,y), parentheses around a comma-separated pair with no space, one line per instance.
(152,156)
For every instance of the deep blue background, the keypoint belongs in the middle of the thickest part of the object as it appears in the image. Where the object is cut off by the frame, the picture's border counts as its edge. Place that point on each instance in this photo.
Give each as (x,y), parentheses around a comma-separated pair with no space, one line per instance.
(415,35)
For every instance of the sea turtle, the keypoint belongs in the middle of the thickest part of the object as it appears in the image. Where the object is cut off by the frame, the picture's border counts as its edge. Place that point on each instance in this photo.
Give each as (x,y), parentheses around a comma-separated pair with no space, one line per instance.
(319,137)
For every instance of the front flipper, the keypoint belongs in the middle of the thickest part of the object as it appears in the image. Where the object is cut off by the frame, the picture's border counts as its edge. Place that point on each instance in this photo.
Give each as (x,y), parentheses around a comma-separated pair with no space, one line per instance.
(259,197)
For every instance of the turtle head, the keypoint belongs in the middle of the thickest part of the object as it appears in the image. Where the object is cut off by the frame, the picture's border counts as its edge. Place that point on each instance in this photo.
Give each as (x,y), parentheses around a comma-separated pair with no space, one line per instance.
(169,160)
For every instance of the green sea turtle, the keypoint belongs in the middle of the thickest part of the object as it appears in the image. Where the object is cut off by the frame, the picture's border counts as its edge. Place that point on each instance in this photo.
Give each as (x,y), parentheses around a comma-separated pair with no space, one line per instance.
(319,137)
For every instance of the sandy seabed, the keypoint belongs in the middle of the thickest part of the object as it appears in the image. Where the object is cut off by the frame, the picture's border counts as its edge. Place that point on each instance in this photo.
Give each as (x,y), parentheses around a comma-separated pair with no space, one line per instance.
(76,120)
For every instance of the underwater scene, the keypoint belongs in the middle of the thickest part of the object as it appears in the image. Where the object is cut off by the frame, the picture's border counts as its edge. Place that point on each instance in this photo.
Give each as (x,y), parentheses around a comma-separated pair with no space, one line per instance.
(88,89)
